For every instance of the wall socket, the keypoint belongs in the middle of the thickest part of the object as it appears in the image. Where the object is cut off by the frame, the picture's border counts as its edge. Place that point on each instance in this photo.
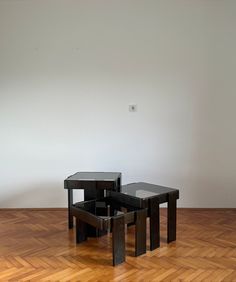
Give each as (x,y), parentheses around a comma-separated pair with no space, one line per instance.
(132,108)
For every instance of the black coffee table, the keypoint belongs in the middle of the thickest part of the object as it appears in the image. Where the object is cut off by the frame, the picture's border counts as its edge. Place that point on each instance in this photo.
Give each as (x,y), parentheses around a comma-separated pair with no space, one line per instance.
(93,184)
(145,195)
(109,214)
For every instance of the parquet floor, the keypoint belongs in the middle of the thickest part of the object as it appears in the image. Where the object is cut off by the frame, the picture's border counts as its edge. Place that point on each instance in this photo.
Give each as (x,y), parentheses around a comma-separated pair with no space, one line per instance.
(37,246)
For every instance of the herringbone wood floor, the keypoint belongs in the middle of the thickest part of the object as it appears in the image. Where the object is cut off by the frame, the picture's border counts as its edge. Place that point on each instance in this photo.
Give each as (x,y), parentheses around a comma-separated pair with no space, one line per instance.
(35,245)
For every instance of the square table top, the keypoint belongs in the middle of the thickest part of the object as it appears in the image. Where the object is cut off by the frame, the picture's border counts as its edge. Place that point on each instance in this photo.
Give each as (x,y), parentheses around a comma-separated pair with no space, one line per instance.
(99,213)
(143,190)
(94,176)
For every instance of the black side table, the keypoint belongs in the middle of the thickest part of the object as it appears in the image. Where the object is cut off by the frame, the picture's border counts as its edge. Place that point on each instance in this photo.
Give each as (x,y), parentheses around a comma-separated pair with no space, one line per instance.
(145,195)
(93,184)
(111,214)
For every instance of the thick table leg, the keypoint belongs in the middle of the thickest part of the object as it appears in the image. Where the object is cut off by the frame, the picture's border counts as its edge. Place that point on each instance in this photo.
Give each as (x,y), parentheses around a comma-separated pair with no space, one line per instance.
(70,203)
(118,188)
(154,223)
(91,193)
(118,239)
(140,232)
(171,229)
(81,231)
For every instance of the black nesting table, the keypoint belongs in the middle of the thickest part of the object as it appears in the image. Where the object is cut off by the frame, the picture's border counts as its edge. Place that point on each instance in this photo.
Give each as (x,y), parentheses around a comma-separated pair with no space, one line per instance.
(128,204)
(93,184)
(150,196)
(111,214)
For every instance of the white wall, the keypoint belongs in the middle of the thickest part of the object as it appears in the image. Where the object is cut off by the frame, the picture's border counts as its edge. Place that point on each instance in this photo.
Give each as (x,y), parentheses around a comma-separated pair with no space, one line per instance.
(69,70)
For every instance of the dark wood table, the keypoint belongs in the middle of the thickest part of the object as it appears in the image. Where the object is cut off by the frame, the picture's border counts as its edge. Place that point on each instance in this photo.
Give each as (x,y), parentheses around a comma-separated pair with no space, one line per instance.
(110,214)
(93,184)
(145,195)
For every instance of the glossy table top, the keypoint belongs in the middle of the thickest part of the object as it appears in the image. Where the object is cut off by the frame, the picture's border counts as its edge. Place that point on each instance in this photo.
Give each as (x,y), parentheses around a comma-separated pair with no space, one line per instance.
(95,176)
(103,208)
(99,213)
(145,190)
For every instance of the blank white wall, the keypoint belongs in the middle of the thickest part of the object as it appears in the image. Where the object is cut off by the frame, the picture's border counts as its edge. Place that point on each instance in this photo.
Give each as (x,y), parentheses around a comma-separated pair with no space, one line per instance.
(69,70)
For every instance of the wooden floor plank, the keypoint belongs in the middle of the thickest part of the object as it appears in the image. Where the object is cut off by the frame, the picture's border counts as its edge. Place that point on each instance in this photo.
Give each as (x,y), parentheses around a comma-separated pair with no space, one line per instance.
(35,245)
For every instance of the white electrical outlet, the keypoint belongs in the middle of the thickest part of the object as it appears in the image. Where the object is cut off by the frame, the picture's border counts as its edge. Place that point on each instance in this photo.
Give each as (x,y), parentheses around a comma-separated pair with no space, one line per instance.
(132,108)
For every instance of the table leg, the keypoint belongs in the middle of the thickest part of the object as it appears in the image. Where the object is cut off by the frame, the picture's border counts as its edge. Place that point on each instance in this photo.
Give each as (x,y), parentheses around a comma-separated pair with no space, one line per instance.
(118,239)
(81,231)
(171,228)
(140,232)
(70,203)
(118,188)
(154,223)
(91,193)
